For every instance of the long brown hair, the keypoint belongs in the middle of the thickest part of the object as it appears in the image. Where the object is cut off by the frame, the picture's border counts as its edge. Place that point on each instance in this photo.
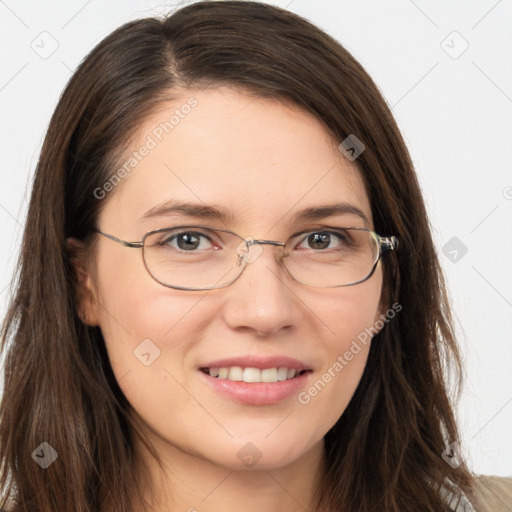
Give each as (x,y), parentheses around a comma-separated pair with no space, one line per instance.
(385,452)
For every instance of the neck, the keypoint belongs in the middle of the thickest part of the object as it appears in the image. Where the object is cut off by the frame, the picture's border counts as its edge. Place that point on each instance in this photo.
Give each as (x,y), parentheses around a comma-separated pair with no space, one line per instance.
(188,482)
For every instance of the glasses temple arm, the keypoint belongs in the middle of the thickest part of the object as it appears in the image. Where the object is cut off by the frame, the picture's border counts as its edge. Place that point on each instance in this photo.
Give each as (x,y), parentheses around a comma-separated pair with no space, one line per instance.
(119,241)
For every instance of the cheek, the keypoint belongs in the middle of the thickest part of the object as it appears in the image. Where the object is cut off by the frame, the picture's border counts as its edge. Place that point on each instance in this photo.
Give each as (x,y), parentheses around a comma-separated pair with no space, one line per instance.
(149,349)
(351,315)
(350,312)
(144,324)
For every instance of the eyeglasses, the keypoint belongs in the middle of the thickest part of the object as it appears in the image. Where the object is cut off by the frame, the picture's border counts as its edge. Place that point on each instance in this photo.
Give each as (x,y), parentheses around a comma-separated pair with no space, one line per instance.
(204,258)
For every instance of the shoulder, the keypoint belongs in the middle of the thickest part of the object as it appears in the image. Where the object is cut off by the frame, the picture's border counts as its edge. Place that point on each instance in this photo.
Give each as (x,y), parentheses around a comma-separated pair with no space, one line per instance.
(494,493)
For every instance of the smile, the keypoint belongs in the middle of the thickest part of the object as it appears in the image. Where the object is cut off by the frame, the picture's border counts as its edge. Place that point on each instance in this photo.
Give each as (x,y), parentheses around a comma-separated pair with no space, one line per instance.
(252,375)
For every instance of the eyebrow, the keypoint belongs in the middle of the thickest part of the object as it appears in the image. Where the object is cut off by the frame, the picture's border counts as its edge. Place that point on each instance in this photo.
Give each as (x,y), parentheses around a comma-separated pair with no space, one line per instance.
(202,211)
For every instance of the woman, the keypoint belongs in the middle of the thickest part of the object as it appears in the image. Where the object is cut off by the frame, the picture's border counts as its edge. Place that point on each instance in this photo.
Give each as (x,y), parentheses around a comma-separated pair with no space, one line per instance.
(228,272)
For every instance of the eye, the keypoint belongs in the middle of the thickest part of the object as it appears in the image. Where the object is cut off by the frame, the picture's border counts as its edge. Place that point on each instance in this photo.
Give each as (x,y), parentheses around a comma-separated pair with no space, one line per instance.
(187,241)
(320,240)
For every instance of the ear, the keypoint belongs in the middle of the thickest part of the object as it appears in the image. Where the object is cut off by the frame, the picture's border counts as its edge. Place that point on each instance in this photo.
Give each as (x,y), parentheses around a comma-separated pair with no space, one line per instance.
(83,286)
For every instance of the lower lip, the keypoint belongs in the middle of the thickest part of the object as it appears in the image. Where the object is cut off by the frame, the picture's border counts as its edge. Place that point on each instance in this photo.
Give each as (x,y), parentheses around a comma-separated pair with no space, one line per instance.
(257,393)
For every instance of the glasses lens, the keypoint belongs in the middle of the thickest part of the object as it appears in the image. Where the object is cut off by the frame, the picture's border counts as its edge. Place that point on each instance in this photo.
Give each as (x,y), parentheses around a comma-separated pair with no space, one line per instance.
(333,257)
(192,257)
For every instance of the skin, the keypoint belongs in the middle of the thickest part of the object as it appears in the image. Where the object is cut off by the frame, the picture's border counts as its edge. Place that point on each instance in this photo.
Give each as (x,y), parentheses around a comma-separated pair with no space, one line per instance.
(263,161)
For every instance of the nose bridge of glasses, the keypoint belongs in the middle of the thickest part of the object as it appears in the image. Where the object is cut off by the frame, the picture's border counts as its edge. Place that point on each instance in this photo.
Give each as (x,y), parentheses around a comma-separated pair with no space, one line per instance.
(249,250)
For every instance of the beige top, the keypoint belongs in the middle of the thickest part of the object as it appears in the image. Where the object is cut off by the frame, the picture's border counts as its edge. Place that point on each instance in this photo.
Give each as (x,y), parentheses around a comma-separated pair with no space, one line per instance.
(494,493)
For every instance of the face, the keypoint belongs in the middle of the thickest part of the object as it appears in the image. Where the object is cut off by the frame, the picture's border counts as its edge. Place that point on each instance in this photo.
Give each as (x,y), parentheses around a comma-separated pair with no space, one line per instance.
(262,162)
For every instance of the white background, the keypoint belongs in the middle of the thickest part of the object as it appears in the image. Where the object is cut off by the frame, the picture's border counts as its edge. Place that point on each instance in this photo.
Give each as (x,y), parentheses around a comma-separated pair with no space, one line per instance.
(455,114)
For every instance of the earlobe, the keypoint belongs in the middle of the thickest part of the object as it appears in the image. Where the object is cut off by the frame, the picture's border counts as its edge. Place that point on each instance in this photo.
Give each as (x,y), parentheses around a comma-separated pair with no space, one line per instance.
(84,292)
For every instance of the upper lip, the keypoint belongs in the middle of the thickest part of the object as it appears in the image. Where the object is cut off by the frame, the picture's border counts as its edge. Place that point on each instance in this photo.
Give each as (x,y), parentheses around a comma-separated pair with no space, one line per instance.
(258,362)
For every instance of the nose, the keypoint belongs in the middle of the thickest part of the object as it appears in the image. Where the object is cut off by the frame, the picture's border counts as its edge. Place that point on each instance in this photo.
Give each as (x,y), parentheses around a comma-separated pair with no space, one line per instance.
(263,299)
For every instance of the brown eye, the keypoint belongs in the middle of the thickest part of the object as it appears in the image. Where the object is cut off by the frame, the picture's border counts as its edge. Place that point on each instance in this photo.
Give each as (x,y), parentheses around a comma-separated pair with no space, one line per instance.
(320,240)
(186,241)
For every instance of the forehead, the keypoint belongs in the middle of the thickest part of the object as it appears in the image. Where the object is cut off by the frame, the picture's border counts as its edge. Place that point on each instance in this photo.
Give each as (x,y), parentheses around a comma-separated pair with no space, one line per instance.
(257,159)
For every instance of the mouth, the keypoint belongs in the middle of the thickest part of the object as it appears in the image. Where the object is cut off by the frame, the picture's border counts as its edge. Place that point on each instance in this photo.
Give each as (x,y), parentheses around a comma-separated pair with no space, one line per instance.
(256,380)
(254,375)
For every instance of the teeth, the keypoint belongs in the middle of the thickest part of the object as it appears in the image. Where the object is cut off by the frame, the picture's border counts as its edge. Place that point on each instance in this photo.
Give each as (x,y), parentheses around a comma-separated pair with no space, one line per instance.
(237,373)
(252,375)
(282,374)
(269,375)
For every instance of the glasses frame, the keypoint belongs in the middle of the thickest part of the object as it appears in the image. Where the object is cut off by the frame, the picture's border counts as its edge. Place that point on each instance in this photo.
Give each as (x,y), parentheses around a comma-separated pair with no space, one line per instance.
(388,243)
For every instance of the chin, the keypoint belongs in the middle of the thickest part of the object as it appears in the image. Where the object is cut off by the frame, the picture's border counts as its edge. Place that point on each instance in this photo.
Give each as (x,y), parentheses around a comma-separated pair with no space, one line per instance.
(259,453)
